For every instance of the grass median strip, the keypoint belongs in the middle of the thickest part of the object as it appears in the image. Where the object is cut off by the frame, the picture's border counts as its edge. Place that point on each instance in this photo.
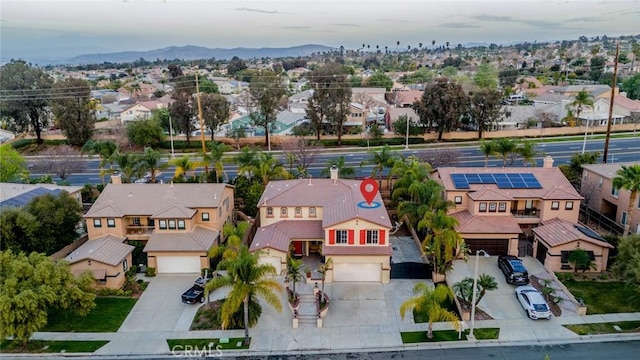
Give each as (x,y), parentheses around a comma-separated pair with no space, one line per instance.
(412,337)
(605,328)
(46,346)
(107,316)
(179,345)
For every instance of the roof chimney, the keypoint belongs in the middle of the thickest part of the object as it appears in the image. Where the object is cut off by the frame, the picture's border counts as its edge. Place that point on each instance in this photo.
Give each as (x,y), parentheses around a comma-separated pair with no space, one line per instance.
(334,173)
(547,162)
(116,178)
(309,180)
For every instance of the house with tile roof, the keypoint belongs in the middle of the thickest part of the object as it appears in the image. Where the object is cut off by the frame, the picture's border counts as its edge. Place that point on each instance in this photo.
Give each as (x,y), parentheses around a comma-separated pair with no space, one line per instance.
(328,218)
(175,224)
(498,208)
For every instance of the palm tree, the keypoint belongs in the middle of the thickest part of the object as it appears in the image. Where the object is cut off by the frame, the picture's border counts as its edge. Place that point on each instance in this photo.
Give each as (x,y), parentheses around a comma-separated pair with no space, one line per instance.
(344,171)
(293,272)
(582,98)
(217,152)
(442,240)
(246,157)
(184,167)
(504,147)
(247,279)
(433,43)
(408,172)
(106,150)
(381,159)
(486,148)
(150,161)
(527,151)
(232,243)
(422,197)
(323,270)
(265,167)
(628,177)
(429,302)
(464,288)
(128,163)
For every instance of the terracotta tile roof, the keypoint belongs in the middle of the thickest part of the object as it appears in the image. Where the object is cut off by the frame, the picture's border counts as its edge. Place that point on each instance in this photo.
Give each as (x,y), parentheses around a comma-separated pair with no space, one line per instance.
(330,250)
(199,240)
(557,231)
(176,211)
(278,236)
(551,180)
(339,200)
(489,194)
(118,200)
(107,249)
(485,224)
(608,171)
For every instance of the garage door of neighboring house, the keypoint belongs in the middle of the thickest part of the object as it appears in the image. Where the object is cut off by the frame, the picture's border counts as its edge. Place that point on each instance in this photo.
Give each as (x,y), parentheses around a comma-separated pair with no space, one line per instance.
(541,253)
(492,246)
(178,264)
(275,261)
(357,272)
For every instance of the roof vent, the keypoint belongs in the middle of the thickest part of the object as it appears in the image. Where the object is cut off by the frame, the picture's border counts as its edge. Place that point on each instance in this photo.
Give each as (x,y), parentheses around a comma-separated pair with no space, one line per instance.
(334,173)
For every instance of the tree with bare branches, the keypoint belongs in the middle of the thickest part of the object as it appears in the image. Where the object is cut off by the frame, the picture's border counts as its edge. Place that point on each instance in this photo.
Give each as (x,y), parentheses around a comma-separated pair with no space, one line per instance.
(299,154)
(61,160)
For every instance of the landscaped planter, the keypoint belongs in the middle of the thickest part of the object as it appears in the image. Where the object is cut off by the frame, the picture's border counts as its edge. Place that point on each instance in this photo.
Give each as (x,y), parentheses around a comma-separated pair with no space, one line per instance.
(323,311)
(295,304)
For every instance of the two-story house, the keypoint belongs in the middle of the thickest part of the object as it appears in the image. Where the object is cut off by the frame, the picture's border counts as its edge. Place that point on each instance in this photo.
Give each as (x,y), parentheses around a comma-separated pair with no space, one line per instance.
(176,223)
(507,210)
(329,217)
(608,200)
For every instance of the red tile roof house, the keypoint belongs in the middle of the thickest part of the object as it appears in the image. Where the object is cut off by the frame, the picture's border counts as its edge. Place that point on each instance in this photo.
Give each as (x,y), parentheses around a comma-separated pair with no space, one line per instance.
(323,216)
(177,223)
(507,211)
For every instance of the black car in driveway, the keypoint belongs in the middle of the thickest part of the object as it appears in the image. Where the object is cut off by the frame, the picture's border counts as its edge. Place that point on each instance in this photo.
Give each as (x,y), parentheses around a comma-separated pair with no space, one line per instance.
(513,269)
(193,295)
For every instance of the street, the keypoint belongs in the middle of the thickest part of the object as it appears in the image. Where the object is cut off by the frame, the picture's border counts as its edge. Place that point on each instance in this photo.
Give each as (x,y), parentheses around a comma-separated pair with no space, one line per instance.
(620,150)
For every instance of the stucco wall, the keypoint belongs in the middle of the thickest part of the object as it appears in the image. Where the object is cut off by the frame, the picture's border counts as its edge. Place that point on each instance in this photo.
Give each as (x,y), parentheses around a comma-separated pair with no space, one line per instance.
(115,274)
(570,215)
(277,214)
(553,260)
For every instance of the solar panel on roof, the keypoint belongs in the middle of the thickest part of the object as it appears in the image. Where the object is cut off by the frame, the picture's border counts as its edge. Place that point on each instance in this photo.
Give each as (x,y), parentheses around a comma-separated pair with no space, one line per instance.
(473,178)
(487,179)
(590,233)
(459,181)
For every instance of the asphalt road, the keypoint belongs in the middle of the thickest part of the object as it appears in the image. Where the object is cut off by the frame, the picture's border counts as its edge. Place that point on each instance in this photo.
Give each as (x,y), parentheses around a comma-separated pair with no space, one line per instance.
(620,150)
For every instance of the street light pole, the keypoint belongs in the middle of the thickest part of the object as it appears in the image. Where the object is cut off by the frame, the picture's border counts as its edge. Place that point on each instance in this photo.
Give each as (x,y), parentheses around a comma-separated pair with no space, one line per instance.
(406,144)
(584,142)
(475,290)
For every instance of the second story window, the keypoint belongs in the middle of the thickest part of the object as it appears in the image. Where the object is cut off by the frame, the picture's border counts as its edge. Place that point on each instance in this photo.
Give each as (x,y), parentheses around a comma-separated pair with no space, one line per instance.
(568,205)
(270,212)
(111,222)
(555,205)
(341,236)
(181,225)
(205,216)
(312,211)
(483,207)
(135,221)
(492,207)
(97,223)
(162,224)
(283,212)
(298,211)
(172,224)
(502,207)
(372,236)
(614,191)
(458,200)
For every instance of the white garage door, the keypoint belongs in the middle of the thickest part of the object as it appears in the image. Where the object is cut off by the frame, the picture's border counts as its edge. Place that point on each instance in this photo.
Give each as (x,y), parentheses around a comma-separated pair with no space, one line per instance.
(357,272)
(272,260)
(178,264)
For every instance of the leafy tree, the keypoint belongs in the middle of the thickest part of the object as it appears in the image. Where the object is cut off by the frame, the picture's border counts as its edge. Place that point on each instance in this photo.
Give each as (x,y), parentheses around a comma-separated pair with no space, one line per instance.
(247,192)
(628,177)
(486,77)
(215,111)
(18,230)
(246,278)
(208,87)
(442,105)
(73,110)
(580,260)
(34,285)
(145,132)
(485,109)
(106,150)
(627,265)
(596,67)
(12,164)
(150,161)
(182,109)
(174,70)
(408,171)
(430,302)
(300,154)
(573,171)
(400,127)
(25,102)
(344,171)
(237,133)
(632,87)
(163,116)
(58,217)
(267,90)
(62,160)
(235,65)
(380,79)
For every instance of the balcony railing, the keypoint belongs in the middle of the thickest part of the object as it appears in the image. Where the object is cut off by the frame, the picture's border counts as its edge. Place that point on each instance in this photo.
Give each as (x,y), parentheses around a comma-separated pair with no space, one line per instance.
(139,230)
(526,213)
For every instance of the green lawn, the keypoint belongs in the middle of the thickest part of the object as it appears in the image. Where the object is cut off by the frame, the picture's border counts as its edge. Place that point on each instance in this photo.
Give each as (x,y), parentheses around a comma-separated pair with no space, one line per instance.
(202,344)
(605,328)
(605,297)
(42,346)
(411,337)
(107,316)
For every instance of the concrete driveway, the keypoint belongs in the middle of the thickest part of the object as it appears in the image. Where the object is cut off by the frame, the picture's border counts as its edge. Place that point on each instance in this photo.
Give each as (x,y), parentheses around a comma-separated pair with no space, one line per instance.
(159,308)
(501,303)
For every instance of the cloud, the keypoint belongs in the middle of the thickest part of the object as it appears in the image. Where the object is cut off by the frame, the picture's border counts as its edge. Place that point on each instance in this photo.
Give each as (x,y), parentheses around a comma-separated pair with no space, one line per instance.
(588,19)
(246,9)
(304,28)
(459,25)
(392,20)
(297,27)
(492,18)
(510,19)
(345,25)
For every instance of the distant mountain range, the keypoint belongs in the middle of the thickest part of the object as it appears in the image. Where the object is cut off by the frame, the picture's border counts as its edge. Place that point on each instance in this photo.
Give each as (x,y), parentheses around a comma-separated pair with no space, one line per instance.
(191,52)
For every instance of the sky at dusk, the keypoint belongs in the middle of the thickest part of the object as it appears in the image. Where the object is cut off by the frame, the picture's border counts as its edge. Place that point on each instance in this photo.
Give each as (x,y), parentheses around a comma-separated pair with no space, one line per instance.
(75,27)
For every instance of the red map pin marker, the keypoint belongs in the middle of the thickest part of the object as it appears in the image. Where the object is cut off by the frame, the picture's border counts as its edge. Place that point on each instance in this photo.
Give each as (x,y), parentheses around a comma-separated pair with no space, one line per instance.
(369,189)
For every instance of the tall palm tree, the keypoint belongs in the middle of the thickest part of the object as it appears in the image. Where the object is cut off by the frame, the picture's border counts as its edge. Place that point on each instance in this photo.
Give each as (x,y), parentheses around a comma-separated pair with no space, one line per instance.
(105,149)
(408,172)
(323,270)
(265,167)
(486,148)
(128,163)
(528,152)
(150,161)
(381,159)
(582,98)
(344,171)
(442,240)
(246,157)
(429,301)
(215,156)
(504,147)
(184,167)
(293,271)
(232,243)
(628,177)
(422,197)
(247,279)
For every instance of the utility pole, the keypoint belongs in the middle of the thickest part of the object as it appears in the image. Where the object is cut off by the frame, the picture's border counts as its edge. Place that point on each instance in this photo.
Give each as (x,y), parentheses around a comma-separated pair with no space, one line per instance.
(613,93)
(204,148)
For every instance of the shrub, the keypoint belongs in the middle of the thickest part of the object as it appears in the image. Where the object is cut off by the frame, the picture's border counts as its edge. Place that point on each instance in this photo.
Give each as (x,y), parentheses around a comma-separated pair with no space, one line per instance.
(151,272)
(113,292)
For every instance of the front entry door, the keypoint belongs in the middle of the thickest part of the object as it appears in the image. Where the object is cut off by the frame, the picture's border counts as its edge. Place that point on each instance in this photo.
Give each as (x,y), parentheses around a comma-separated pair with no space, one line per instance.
(297,248)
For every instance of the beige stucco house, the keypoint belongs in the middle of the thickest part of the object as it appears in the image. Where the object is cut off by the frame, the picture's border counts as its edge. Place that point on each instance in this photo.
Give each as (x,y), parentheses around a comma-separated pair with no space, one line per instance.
(326,217)
(177,223)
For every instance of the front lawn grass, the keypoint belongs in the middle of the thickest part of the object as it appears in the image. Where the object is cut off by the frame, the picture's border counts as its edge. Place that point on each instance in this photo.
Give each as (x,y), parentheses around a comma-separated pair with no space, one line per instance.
(45,346)
(604,328)
(411,337)
(204,344)
(107,316)
(605,297)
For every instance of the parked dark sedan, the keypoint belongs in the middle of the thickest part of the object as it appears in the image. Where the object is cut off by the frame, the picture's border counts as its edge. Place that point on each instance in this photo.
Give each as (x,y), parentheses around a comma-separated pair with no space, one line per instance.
(513,269)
